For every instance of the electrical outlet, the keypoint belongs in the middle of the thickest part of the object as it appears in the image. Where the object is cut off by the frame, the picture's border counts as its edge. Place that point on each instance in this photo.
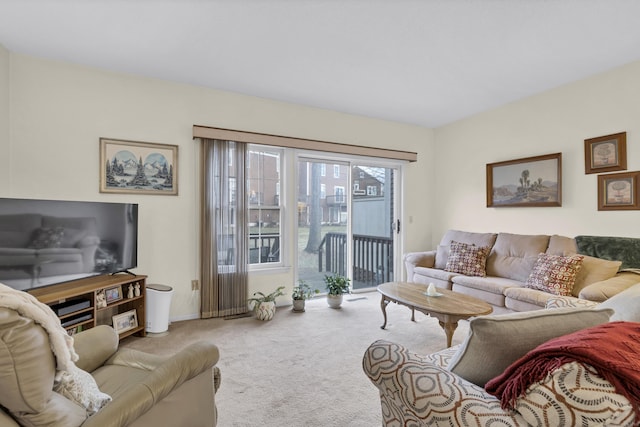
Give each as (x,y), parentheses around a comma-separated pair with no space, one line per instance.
(195,285)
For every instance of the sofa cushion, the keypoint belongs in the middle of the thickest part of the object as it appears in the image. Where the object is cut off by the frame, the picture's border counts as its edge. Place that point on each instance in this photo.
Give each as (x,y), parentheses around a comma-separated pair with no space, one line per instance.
(554,273)
(513,255)
(427,275)
(15,239)
(47,238)
(478,239)
(496,341)
(467,259)
(626,304)
(527,295)
(594,270)
(562,245)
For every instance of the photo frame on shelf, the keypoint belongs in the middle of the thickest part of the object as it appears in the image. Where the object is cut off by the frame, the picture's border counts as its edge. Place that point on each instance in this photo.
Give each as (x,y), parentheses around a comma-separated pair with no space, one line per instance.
(618,191)
(527,182)
(125,321)
(605,153)
(112,294)
(138,167)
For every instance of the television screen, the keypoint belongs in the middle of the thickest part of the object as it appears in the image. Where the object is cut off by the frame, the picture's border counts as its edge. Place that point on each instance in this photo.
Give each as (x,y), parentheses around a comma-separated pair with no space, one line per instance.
(44,242)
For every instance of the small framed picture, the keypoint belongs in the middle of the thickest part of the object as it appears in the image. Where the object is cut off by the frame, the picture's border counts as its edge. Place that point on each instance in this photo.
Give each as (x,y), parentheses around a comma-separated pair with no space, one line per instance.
(125,321)
(113,294)
(605,153)
(618,191)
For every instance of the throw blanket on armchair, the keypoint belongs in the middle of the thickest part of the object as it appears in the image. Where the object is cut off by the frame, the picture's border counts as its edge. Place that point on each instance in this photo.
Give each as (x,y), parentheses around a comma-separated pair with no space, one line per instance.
(611,348)
(28,306)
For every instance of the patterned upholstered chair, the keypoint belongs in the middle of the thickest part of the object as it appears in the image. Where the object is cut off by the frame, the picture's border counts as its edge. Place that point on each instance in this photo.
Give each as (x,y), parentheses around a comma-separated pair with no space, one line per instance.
(447,388)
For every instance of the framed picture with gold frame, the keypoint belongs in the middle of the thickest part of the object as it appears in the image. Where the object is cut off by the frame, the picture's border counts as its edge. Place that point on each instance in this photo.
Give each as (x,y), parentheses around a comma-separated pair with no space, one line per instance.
(527,182)
(605,153)
(618,191)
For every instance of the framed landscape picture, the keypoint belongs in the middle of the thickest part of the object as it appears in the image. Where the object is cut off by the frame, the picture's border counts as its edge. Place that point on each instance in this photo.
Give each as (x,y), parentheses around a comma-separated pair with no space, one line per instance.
(530,181)
(138,167)
(618,191)
(605,153)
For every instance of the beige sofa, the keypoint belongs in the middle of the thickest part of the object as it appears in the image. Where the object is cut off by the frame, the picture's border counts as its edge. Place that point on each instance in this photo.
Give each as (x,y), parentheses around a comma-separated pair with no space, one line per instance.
(509,263)
(146,390)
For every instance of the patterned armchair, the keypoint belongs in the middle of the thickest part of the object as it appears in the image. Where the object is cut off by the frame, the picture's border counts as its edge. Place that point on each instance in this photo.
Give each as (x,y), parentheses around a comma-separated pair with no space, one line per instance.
(444,389)
(418,390)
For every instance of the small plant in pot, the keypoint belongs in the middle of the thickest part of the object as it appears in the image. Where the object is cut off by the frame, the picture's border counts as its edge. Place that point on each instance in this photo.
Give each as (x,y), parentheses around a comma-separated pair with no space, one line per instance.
(300,294)
(336,286)
(264,306)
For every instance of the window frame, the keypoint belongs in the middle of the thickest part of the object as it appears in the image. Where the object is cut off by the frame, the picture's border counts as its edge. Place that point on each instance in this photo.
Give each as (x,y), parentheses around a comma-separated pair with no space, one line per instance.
(257,207)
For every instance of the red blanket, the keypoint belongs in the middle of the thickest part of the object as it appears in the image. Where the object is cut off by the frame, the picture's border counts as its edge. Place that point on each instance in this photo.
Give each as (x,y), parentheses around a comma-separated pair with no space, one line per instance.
(613,349)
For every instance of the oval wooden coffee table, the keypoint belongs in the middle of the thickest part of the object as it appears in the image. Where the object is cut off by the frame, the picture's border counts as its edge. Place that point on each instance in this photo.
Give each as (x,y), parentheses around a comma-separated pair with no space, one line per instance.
(448,308)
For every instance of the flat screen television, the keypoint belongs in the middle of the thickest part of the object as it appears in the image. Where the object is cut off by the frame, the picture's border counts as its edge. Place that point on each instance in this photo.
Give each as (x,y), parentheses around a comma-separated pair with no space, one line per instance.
(46,242)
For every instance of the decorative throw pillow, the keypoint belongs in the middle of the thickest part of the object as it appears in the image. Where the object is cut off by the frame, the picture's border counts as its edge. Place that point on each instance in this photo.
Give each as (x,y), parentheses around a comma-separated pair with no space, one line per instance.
(594,270)
(80,387)
(47,238)
(554,274)
(496,341)
(470,260)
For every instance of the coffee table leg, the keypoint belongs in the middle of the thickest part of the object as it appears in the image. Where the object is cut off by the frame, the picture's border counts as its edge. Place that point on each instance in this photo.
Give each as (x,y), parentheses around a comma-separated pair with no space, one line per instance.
(449,329)
(383,305)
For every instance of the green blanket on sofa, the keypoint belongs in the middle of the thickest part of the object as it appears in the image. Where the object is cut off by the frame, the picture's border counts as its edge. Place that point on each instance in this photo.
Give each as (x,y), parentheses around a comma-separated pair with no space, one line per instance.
(625,249)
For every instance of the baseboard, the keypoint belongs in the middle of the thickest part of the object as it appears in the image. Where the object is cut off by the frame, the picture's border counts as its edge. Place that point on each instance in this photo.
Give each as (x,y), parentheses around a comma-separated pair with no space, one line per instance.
(184,317)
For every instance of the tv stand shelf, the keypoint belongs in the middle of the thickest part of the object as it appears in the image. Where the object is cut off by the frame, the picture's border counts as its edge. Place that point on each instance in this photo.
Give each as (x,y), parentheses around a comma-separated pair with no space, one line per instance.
(66,296)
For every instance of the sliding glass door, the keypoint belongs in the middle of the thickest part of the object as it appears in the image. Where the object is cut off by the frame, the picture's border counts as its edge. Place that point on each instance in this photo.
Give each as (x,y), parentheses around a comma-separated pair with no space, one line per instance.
(345,222)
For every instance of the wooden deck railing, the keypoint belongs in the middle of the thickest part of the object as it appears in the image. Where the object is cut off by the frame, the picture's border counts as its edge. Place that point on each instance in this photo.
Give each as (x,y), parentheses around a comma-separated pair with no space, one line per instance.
(372,257)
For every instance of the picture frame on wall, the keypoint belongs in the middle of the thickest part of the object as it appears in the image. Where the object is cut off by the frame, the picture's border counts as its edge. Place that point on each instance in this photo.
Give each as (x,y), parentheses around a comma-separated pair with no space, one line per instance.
(605,153)
(125,321)
(527,182)
(619,191)
(133,167)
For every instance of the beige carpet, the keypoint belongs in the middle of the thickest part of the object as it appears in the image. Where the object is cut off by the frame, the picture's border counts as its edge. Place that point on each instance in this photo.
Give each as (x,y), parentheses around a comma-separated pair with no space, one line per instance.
(302,369)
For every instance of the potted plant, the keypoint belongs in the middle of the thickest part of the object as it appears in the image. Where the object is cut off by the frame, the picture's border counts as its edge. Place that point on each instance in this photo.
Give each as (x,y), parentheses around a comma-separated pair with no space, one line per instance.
(264,306)
(336,286)
(300,294)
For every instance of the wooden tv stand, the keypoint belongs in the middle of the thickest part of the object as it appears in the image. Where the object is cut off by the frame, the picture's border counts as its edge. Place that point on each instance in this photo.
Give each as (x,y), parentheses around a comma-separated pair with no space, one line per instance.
(81,297)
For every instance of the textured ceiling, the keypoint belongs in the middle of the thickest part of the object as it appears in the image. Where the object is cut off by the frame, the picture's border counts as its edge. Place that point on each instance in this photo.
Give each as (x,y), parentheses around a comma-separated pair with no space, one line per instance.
(428,62)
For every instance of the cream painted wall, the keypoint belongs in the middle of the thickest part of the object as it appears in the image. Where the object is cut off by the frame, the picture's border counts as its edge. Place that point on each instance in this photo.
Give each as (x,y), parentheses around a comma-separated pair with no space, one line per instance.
(555,121)
(59,111)
(4,120)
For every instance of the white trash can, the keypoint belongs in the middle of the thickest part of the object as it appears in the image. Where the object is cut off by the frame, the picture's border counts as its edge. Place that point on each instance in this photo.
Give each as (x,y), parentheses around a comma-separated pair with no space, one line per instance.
(158,304)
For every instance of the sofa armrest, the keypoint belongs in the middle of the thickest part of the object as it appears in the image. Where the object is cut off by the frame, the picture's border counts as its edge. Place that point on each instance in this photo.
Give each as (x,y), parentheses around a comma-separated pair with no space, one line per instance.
(605,289)
(418,259)
(414,391)
(94,346)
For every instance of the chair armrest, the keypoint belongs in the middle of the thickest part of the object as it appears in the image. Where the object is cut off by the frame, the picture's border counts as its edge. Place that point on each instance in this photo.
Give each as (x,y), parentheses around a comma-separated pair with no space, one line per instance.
(414,391)
(94,346)
(418,259)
